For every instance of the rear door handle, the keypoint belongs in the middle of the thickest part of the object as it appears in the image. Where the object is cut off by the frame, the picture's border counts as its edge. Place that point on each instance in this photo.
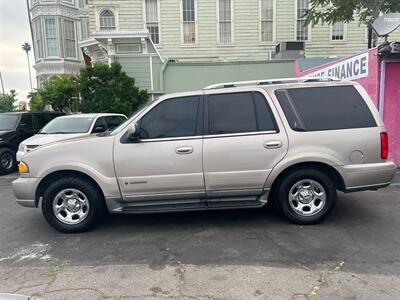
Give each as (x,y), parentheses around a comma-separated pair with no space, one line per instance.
(184,150)
(272,144)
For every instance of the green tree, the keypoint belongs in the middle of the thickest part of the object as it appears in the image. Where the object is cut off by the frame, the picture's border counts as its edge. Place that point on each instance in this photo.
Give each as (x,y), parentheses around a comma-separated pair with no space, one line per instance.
(36,102)
(61,92)
(7,101)
(27,47)
(332,11)
(106,88)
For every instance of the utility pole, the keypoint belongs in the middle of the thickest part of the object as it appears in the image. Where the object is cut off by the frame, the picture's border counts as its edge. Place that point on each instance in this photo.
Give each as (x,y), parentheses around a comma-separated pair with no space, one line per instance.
(2,84)
(31,29)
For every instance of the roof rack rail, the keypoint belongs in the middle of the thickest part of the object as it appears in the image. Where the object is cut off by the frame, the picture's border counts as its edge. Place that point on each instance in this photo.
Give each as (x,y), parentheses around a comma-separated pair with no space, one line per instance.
(269,81)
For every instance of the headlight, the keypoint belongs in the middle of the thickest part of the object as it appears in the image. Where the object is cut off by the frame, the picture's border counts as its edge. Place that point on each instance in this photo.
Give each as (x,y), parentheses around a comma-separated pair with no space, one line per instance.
(23,168)
(1,139)
(21,147)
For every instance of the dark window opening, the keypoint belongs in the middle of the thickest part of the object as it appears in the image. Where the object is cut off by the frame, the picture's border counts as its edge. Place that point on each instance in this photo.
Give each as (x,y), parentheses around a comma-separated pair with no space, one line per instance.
(171,118)
(325,108)
(239,113)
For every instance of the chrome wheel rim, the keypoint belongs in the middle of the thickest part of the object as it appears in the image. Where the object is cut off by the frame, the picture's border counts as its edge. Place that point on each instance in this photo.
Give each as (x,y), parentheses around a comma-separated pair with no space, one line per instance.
(71,206)
(307,197)
(7,160)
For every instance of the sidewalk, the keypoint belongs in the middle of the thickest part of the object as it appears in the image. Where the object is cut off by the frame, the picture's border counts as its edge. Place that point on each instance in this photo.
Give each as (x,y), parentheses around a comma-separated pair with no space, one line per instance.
(181,281)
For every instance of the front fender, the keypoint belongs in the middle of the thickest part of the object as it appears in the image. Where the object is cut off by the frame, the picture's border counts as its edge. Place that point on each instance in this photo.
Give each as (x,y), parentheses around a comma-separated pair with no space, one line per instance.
(92,156)
(108,184)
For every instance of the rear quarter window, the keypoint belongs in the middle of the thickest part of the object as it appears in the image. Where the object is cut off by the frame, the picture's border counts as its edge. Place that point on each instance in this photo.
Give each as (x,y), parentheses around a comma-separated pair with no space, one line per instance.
(325,108)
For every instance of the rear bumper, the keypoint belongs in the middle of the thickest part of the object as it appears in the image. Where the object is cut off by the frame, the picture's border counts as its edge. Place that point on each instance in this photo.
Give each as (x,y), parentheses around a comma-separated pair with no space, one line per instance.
(25,191)
(367,176)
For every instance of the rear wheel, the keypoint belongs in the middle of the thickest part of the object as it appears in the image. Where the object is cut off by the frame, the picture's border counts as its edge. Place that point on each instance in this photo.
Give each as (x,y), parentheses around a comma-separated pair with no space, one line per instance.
(306,196)
(72,205)
(8,162)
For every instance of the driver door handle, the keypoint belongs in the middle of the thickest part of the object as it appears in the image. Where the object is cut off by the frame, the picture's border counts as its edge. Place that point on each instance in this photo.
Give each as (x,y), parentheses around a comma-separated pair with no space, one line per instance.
(184,150)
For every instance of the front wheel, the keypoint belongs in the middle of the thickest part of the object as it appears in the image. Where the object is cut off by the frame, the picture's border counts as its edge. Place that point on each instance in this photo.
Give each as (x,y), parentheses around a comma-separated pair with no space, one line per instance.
(72,205)
(306,196)
(8,162)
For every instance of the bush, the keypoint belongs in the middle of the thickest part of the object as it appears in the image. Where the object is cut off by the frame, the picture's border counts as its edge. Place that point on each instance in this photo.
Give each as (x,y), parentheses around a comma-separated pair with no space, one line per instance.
(106,88)
(36,101)
(7,101)
(61,92)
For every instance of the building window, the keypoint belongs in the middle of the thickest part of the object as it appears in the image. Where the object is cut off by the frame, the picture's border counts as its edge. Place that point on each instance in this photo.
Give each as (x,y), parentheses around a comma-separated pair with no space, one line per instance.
(84,28)
(152,20)
(83,3)
(128,48)
(267,20)
(70,39)
(99,54)
(225,21)
(51,36)
(301,27)
(38,39)
(337,31)
(189,21)
(107,20)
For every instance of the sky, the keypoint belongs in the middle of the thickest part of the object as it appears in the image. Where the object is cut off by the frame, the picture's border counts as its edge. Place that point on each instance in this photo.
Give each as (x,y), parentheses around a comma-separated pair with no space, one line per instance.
(14,31)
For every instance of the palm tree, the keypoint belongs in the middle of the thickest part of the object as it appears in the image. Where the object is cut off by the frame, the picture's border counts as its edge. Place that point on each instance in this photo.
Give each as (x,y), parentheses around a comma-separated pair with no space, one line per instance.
(27,47)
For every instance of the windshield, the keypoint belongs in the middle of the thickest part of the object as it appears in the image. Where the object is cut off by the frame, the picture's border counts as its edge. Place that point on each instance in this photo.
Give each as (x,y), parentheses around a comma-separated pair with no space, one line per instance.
(66,125)
(8,122)
(127,122)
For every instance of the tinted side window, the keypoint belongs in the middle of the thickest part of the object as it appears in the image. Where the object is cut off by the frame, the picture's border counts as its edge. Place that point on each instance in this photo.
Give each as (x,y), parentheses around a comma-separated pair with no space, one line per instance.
(40,120)
(27,120)
(232,113)
(114,121)
(51,116)
(100,125)
(265,118)
(325,108)
(171,118)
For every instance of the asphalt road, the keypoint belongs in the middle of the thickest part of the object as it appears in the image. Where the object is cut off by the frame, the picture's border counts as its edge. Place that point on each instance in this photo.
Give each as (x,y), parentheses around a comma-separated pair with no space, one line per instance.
(242,254)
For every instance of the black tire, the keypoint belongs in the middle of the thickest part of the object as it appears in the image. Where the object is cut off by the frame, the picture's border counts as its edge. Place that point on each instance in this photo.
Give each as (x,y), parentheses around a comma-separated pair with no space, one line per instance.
(285,185)
(94,196)
(8,161)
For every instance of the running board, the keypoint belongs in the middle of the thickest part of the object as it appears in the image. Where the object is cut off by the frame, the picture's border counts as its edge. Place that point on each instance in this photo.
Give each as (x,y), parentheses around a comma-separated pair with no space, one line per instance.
(155,206)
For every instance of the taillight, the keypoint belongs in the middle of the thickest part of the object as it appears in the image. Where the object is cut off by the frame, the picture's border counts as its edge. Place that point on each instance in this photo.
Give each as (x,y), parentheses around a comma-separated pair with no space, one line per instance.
(384,145)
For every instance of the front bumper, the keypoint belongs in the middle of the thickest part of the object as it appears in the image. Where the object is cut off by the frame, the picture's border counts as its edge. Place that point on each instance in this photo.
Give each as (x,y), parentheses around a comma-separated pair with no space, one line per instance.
(367,176)
(25,191)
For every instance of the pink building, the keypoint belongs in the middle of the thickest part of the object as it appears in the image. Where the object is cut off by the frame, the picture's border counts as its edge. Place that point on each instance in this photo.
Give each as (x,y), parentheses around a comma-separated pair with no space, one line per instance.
(378,71)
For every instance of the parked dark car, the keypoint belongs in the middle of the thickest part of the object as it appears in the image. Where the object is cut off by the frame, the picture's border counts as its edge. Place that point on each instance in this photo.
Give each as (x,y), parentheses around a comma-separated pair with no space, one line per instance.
(16,127)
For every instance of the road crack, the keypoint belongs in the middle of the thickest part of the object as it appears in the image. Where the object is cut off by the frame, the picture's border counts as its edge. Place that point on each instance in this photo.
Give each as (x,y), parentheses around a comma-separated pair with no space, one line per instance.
(57,270)
(323,279)
(180,272)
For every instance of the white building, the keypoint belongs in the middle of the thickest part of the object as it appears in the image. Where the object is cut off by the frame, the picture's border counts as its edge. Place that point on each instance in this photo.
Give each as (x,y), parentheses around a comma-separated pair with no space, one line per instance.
(57,26)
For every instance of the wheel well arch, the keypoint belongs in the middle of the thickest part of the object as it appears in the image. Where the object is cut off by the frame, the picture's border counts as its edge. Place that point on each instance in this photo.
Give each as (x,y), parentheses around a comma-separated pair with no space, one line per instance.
(8,146)
(60,174)
(327,169)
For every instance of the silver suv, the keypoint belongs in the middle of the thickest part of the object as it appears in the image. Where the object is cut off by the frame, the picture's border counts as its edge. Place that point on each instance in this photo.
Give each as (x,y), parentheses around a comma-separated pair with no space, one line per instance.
(237,145)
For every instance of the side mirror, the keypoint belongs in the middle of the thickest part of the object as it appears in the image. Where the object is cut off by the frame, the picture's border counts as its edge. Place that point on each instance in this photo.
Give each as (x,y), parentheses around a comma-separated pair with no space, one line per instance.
(133,132)
(99,129)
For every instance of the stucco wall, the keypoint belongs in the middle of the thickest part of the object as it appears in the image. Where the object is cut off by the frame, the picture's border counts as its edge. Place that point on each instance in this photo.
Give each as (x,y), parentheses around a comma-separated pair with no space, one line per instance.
(192,76)
(391,114)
